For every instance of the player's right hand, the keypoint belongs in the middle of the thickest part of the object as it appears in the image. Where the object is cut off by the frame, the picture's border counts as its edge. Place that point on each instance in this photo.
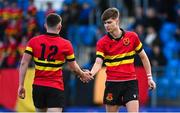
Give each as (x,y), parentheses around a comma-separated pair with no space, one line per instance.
(21,92)
(86,76)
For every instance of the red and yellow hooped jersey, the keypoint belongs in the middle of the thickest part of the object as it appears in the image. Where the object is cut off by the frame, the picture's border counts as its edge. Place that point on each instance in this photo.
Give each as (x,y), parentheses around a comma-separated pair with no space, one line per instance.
(118,55)
(49,51)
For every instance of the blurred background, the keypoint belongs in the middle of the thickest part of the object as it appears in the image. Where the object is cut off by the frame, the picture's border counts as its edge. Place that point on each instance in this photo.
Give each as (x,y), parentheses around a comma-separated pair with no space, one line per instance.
(157,22)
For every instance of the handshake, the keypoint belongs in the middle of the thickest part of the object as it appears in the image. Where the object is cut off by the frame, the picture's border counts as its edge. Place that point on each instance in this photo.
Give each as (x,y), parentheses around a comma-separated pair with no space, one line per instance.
(85,76)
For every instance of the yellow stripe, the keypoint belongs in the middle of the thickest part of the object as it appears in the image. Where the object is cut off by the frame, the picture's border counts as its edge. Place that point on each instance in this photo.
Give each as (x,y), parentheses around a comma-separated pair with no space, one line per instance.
(47,68)
(120,62)
(51,62)
(100,53)
(70,57)
(29,48)
(120,55)
(139,46)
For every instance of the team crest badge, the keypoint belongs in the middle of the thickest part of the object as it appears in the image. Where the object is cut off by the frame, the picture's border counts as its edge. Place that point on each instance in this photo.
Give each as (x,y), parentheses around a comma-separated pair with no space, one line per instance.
(126,41)
(109,97)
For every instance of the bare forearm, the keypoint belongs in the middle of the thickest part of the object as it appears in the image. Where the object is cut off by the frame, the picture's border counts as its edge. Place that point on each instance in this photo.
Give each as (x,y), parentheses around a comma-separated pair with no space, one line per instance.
(22,72)
(74,67)
(95,69)
(23,67)
(146,63)
(77,71)
(147,66)
(97,66)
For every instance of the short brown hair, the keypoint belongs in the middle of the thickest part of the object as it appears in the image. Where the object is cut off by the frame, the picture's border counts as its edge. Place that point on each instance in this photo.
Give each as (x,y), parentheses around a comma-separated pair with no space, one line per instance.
(110,13)
(53,19)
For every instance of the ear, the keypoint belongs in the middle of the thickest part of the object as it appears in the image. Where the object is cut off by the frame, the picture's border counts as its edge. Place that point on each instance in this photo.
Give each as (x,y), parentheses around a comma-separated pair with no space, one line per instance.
(59,27)
(117,21)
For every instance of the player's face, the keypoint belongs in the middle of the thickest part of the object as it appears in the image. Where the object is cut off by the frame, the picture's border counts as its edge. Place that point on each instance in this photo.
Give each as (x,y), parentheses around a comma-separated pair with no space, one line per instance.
(111,24)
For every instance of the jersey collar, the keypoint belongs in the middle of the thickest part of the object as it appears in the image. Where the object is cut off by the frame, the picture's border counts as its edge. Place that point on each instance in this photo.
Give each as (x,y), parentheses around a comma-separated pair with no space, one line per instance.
(117,39)
(52,34)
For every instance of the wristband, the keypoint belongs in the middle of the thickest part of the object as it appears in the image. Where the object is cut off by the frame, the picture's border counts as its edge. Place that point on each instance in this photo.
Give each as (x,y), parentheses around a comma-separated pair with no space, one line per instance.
(149,75)
(150,78)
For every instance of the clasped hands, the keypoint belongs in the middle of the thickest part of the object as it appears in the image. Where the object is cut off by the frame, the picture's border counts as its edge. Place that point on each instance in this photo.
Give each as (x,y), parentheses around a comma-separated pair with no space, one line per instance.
(86,76)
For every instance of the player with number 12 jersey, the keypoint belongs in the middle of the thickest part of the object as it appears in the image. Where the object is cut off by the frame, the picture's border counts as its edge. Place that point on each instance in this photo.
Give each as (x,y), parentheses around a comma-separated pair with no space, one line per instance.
(49,51)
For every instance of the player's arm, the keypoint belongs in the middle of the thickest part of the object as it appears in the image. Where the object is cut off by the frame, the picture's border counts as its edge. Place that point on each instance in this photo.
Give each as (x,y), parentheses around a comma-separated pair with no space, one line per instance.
(74,67)
(22,73)
(84,76)
(97,66)
(147,66)
(145,62)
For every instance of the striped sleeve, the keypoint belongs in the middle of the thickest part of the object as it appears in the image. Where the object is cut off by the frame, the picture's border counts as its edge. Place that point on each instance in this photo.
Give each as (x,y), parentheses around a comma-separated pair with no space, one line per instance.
(70,57)
(138,45)
(99,50)
(29,48)
(70,53)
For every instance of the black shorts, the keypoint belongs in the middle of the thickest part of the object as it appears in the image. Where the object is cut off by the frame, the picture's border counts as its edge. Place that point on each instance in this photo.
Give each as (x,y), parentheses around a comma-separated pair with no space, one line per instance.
(47,97)
(119,93)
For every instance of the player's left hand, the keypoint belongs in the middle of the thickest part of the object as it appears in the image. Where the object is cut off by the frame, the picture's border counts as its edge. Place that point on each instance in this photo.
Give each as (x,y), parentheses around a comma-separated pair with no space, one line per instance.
(87,76)
(151,83)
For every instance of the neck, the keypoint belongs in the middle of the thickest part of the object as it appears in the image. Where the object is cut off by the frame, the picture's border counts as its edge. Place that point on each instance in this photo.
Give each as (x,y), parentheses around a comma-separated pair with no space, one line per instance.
(116,33)
(52,31)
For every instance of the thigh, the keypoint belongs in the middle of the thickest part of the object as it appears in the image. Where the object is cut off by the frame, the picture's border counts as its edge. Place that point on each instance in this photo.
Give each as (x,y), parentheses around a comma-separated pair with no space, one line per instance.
(39,97)
(133,106)
(131,92)
(55,98)
(112,108)
(112,94)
